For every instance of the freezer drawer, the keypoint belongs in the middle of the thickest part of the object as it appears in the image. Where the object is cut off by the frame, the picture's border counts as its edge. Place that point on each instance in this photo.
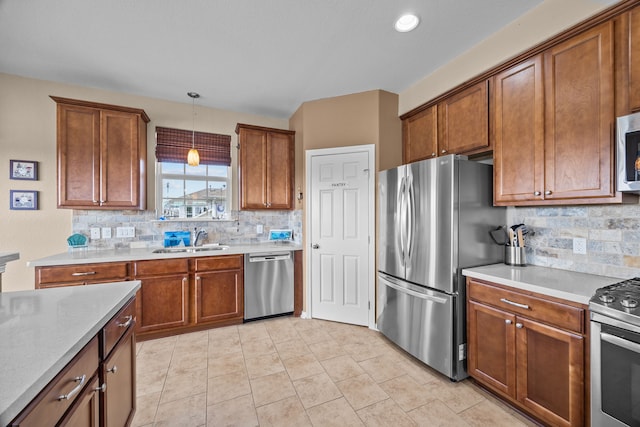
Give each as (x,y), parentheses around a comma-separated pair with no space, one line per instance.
(268,284)
(421,322)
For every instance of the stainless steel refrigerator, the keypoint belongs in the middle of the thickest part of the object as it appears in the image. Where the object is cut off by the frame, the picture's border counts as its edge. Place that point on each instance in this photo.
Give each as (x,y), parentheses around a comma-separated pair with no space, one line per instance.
(435,218)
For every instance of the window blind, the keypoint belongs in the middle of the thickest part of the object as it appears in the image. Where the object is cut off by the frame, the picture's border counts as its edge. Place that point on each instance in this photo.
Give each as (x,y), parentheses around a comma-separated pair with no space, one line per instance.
(172,145)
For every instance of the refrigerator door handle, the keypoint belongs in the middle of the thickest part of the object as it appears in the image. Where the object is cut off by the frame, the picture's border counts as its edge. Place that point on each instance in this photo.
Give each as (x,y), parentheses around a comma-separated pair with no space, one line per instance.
(401,219)
(410,218)
(413,293)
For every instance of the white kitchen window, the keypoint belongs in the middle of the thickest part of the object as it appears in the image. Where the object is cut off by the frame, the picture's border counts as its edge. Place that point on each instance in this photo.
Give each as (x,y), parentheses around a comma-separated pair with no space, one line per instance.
(198,192)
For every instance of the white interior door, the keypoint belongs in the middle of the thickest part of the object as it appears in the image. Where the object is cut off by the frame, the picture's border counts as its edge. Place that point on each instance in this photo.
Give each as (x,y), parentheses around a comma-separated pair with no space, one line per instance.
(340,236)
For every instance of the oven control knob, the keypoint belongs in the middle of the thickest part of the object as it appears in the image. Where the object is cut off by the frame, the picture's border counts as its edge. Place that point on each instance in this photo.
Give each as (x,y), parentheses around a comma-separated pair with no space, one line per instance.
(629,303)
(606,298)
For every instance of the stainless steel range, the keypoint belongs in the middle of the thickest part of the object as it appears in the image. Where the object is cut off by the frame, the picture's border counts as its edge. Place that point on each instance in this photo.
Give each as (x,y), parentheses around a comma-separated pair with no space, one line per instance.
(615,355)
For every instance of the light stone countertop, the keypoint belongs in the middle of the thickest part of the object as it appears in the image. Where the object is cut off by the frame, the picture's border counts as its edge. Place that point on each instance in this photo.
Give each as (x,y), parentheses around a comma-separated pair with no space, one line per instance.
(91,256)
(41,331)
(567,285)
(5,257)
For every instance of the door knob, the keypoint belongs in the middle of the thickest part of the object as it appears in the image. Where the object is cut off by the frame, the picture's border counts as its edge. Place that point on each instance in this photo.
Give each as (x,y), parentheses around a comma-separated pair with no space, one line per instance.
(315,246)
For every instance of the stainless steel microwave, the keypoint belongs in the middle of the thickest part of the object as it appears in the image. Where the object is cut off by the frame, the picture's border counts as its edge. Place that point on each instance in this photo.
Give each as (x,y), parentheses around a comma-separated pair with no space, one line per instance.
(628,153)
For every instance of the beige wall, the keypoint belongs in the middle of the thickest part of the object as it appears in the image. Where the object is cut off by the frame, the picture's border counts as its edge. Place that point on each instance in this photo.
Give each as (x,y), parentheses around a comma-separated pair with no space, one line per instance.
(541,23)
(28,132)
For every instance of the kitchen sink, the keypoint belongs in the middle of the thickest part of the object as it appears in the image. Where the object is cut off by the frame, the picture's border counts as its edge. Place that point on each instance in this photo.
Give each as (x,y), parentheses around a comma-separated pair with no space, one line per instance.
(190,249)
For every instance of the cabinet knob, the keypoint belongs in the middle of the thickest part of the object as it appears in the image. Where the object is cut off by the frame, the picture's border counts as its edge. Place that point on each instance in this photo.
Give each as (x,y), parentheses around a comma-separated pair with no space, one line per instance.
(113,370)
(443,151)
(548,193)
(536,193)
(433,154)
(102,388)
(508,321)
(519,325)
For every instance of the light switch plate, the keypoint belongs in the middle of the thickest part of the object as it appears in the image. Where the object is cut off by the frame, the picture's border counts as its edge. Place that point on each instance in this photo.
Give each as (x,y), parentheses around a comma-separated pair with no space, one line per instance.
(106,232)
(579,246)
(95,233)
(125,232)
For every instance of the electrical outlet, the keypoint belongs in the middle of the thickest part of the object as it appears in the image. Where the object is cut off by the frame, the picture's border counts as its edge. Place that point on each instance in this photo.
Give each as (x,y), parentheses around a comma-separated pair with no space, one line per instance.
(259,229)
(579,245)
(95,233)
(125,232)
(106,232)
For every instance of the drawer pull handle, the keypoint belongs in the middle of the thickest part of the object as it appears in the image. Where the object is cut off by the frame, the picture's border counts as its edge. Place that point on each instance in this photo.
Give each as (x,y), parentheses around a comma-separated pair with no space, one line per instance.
(86,273)
(113,370)
(75,390)
(126,323)
(102,388)
(517,304)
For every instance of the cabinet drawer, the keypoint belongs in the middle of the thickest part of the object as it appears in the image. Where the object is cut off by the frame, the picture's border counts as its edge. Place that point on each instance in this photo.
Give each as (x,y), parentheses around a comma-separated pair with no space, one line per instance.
(117,327)
(47,407)
(554,313)
(228,262)
(164,266)
(115,271)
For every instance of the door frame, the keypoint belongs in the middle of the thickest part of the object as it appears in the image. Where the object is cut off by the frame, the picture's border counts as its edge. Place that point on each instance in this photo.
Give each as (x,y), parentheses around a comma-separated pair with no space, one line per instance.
(370,149)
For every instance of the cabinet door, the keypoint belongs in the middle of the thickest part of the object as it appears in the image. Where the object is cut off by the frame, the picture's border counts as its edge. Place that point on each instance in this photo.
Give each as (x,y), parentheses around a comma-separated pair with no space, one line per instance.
(219,296)
(280,165)
(118,373)
(463,121)
(550,372)
(119,160)
(634,59)
(420,135)
(85,410)
(253,169)
(78,148)
(491,356)
(519,133)
(579,116)
(162,302)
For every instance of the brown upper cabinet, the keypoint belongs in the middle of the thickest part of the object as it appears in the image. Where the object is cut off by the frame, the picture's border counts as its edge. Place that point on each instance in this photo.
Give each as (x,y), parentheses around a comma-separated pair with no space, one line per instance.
(266,167)
(628,62)
(553,122)
(102,152)
(459,124)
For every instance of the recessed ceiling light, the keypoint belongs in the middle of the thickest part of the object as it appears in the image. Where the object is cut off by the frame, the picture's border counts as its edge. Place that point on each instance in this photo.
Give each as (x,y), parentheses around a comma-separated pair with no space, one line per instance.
(407,23)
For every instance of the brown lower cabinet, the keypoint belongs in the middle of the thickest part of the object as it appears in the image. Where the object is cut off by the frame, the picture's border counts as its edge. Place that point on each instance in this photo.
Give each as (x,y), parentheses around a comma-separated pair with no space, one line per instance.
(219,290)
(530,350)
(98,384)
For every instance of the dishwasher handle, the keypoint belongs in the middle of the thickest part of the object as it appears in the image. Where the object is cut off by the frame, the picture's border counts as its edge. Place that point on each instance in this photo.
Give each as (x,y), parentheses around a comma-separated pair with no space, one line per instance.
(268,258)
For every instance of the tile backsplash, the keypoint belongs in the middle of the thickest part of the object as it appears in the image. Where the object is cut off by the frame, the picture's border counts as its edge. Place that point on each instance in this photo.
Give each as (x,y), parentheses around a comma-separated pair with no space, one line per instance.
(149,231)
(612,233)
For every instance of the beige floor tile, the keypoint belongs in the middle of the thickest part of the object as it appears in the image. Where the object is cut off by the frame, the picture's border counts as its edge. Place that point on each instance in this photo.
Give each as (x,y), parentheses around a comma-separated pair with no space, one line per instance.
(420,372)
(384,414)
(487,413)
(342,367)
(182,385)
(146,407)
(271,388)
(220,346)
(191,411)
(313,336)
(361,391)
(153,362)
(150,382)
(335,413)
(327,349)
(188,361)
(258,347)
(224,333)
(228,386)
(284,413)
(280,331)
(365,351)
(253,331)
(316,389)
(436,414)
(302,366)
(457,396)
(407,393)
(238,412)
(383,368)
(226,364)
(292,348)
(160,345)
(263,365)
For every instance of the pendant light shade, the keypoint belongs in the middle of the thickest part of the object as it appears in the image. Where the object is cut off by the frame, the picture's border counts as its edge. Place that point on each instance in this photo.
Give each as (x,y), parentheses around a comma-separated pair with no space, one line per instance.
(193,158)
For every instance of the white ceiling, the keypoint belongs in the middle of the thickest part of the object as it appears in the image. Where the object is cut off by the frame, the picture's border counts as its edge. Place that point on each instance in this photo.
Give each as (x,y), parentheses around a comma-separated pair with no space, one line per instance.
(255,56)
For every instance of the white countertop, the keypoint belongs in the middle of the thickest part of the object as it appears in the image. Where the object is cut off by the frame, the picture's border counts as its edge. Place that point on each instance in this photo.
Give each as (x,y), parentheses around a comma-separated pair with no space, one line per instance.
(42,330)
(90,256)
(568,285)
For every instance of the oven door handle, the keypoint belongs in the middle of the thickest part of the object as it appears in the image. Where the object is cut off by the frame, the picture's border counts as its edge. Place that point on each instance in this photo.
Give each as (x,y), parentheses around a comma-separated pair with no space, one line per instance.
(620,342)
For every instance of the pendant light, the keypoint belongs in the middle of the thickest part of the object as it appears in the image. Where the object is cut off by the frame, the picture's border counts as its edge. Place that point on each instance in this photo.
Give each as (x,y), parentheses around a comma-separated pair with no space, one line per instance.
(193,158)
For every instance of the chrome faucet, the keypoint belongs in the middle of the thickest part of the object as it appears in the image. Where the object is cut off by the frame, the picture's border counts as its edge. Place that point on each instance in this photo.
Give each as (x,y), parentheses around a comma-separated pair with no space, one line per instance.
(198,235)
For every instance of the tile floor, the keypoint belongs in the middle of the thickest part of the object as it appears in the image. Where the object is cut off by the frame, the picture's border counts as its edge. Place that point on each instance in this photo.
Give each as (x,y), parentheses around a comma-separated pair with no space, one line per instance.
(295,372)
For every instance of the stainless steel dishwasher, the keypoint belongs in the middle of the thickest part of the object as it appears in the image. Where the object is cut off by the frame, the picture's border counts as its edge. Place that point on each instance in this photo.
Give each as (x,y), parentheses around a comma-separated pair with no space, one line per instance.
(268,284)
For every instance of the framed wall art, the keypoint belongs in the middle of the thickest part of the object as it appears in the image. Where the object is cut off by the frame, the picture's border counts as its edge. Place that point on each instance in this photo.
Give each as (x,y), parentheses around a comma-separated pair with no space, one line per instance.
(23,169)
(25,200)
